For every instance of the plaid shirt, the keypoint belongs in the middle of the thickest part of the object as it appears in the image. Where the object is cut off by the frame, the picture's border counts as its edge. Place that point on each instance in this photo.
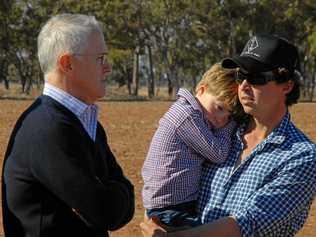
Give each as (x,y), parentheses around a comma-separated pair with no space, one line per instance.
(271,191)
(184,138)
(87,114)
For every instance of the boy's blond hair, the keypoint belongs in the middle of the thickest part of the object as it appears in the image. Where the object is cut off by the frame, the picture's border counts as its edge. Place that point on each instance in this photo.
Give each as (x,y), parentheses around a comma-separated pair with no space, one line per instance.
(220,82)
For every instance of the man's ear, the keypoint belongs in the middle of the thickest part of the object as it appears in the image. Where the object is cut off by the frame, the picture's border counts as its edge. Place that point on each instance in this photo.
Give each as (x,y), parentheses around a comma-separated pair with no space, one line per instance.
(288,86)
(64,63)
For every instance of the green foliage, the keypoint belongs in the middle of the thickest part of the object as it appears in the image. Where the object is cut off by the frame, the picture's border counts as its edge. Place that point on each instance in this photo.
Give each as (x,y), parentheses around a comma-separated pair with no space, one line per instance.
(185,36)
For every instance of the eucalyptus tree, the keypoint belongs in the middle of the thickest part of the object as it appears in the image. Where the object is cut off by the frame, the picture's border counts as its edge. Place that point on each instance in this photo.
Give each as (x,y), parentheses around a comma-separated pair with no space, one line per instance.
(5,42)
(21,25)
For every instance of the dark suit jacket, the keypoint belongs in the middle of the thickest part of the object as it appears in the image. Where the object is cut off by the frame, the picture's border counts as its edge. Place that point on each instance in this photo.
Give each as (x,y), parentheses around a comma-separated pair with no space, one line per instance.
(56,181)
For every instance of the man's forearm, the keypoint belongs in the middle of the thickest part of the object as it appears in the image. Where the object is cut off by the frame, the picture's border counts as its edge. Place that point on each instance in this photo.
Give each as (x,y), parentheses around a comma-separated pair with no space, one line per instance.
(224,227)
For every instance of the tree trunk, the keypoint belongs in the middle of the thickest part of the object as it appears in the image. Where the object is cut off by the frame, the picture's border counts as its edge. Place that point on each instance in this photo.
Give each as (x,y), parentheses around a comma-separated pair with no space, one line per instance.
(158,83)
(313,78)
(129,80)
(232,35)
(128,75)
(21,66)
(29,81)
(176,84)
(6,7)
(170,86)
(136,72)
(151,78)
(23,78)
(4,74)
(6,84)
(305,83)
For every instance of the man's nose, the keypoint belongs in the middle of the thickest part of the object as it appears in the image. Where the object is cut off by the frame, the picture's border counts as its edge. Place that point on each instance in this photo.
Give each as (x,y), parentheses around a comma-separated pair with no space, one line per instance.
(244,84)
(107,69)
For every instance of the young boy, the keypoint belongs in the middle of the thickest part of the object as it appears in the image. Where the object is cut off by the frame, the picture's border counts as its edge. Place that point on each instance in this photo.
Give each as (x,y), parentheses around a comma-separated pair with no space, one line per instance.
(193,130)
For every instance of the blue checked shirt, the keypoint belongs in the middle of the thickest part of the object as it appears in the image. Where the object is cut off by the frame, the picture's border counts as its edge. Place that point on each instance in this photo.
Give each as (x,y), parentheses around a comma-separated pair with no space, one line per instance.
(183,140)
(271,191)
(87,114)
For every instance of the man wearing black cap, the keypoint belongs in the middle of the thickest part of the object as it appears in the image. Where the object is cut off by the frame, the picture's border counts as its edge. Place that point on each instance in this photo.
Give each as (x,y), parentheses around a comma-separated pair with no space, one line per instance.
(266,186)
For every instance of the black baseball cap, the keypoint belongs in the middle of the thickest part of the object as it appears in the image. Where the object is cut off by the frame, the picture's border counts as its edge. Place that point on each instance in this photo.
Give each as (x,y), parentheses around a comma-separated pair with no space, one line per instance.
(264,53)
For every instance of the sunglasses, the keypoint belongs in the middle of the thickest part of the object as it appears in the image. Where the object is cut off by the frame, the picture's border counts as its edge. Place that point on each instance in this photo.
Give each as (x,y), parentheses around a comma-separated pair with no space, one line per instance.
(259,79)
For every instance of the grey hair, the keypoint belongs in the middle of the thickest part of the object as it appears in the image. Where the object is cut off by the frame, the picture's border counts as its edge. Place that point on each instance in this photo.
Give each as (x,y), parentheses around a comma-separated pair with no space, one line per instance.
(64,33)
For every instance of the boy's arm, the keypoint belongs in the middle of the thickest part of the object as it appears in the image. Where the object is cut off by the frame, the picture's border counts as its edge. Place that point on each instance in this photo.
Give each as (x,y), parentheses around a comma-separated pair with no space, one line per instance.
(196,134)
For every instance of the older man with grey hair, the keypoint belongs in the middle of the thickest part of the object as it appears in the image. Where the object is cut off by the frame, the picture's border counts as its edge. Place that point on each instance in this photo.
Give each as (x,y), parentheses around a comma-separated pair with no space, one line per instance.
(60,177)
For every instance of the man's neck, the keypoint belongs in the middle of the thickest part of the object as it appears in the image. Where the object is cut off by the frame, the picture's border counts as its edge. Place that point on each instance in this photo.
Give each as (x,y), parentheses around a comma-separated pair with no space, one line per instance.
(258,129)
(66,85)
(262,126)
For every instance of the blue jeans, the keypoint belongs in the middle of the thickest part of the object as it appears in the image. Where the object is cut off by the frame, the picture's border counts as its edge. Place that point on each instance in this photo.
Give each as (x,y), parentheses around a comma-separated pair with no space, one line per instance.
(183,214)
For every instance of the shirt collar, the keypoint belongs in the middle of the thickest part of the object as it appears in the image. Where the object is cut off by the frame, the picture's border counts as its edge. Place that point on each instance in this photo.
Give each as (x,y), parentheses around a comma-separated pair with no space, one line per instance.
(190,98)
(277,136)
(70,102)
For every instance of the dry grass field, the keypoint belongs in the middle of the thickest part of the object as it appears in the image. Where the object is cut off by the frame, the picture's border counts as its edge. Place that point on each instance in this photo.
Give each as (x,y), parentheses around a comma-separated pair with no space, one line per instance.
(130,126)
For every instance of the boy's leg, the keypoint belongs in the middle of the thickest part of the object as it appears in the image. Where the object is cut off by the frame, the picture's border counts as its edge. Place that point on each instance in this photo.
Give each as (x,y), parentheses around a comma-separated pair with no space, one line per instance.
(180,215)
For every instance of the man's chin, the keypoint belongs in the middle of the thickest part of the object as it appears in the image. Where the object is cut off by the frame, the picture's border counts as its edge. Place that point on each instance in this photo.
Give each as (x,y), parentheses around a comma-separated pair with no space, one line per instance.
(102,94)
(249,110)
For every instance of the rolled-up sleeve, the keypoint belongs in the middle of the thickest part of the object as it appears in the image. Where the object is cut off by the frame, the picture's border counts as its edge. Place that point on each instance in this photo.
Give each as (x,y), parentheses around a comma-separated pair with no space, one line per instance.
(281,206)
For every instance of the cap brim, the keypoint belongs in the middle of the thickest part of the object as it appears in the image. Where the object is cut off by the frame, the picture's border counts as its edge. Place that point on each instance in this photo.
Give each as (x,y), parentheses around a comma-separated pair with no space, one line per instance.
(247,64)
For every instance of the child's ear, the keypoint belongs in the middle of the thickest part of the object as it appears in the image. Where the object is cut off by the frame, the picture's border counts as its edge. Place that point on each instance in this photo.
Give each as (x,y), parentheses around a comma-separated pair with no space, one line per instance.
(201,90)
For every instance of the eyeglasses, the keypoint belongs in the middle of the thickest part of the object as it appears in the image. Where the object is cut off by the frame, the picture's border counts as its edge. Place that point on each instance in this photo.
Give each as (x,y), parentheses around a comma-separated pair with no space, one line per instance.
(101,58)
(259,79)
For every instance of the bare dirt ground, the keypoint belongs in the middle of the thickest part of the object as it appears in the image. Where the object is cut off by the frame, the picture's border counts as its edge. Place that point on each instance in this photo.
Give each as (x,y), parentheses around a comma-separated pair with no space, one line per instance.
(130,126)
